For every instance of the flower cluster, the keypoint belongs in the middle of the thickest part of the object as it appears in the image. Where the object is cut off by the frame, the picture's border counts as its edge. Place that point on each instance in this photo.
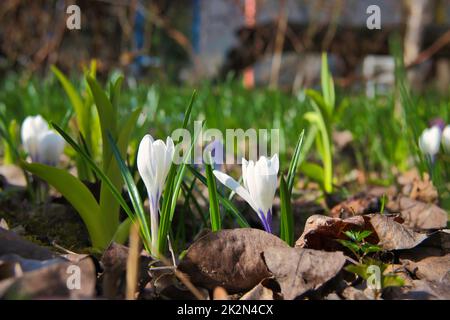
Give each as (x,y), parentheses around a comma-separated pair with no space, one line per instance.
(259,180)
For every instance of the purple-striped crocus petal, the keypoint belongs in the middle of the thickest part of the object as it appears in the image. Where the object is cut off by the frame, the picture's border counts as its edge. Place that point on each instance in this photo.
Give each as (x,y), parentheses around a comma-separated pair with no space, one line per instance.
(267,222)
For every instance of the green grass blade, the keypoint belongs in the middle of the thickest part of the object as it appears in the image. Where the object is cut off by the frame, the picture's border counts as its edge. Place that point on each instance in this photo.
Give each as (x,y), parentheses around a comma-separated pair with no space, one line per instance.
(313,171)
(166,209)
(8,139)
(308,143)
(286,216)
(97,170)
(107,116)
(187,114)
(108,205)
(175,187)
(132,190)
(12,147)
(189,196)
(315,118)
(327,85)
(294,162)
(115,92)
(227,204)
(214,211)
(123,231)
(75,100)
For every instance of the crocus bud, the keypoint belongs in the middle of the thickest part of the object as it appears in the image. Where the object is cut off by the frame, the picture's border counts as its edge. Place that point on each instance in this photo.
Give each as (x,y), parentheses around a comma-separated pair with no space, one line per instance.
(430,141)
(260,183)
(154,159)
(42,144)
(446,138)
(51,146)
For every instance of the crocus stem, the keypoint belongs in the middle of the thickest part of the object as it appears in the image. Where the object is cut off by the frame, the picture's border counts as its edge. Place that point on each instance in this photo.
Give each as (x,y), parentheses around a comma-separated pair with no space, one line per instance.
(266,221)
(430,163)
(154,223)
(40,190)
(154,226)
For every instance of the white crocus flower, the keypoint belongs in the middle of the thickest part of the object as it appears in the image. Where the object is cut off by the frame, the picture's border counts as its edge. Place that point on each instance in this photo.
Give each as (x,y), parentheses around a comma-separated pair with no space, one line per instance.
(153,161)
(446,138)
(42,144)
(260,183)
(430,141)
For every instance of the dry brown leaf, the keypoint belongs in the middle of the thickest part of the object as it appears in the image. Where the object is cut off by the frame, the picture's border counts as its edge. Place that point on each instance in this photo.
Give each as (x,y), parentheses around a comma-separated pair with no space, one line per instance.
(229,258)
(357,205)
(13,175)
(11,243)
(393,235)
(419,290)
(268,289)
(114,262)
(441,240)
(299,270)
(27,265)
(52,281)
(352,293)
(321,231)
(432,268)
(419,215)
(220,293)
(417,188)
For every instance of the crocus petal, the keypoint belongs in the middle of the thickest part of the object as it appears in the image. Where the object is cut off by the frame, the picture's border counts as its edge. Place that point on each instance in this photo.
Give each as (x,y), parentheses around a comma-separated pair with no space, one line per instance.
(446,138)
(170,151)
(260,183)
(236,187)
(50,148)
(170,148)
(32,128)
(430,140)
(244,172)
(160,162)
(265,176)
(275,164)
(252,184)
(143,161)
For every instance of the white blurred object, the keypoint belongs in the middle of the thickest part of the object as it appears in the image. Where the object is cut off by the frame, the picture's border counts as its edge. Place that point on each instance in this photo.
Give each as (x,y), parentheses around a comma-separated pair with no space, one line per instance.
(42,144)
(378,71)
(430,140)
(446,138)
